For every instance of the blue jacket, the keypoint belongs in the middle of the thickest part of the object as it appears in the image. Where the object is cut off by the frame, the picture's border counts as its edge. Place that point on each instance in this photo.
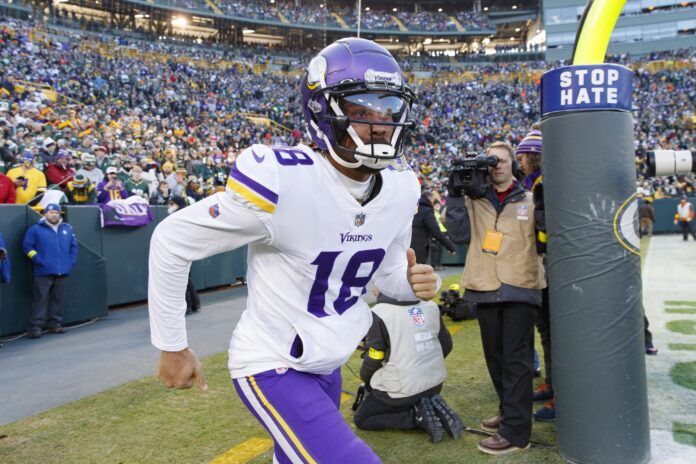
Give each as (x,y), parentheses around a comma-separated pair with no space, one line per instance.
(52,253)
(4,264)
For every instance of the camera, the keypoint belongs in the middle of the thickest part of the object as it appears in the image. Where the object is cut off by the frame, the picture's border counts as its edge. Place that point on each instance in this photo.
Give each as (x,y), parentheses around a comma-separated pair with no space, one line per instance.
(470,174)
(671,162)
(454,306)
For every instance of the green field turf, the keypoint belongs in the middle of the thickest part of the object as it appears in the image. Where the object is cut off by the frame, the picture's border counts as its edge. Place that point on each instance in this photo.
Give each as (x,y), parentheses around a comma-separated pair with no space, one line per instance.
(681,310)
(682,346)
(680,303)
(142,422)
(684,374)
(684,433)
(687,327)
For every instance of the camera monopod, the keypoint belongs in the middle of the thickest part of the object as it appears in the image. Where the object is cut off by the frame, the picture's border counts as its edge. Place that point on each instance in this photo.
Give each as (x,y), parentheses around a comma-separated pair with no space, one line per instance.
(594,252)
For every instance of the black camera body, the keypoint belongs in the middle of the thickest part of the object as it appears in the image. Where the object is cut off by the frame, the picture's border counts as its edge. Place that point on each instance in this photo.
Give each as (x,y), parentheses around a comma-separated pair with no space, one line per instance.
(455,307)
(470,174)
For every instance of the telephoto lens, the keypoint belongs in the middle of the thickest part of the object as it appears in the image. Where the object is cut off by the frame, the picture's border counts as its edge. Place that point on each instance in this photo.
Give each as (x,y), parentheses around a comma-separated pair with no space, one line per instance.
(671,162)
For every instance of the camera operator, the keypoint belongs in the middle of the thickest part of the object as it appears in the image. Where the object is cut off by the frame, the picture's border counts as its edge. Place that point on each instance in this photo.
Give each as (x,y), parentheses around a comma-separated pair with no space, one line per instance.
(504,275)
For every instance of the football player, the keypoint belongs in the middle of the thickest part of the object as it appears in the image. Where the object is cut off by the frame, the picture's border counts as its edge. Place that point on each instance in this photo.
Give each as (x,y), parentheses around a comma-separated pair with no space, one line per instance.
(320,222)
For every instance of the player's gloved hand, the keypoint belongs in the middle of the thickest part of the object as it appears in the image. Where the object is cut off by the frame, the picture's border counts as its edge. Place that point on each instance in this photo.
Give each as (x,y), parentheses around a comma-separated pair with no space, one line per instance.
(179,369)
(422,277)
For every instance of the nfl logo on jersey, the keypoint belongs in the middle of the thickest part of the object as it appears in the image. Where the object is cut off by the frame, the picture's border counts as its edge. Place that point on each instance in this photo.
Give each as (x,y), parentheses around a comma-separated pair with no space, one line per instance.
(417,316)
(359,219)
(214,211)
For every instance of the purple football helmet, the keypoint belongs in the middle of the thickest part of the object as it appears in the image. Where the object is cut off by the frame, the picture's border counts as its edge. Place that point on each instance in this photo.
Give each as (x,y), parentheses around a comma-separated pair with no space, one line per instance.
(362,76)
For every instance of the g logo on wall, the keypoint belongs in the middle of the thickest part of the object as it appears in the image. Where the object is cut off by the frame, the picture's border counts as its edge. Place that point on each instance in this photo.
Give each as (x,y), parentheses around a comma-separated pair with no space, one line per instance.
(626,225)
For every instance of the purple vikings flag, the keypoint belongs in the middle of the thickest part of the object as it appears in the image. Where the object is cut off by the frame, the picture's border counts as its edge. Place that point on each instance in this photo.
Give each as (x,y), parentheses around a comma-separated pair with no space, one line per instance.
(131,212)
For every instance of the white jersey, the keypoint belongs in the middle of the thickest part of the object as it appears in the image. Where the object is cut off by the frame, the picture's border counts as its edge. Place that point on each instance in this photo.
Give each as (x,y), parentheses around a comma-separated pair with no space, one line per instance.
(312,250)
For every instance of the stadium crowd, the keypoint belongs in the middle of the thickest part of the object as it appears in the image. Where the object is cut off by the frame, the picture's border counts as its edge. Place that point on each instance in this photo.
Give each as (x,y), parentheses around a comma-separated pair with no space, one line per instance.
(319,12)
(177,125)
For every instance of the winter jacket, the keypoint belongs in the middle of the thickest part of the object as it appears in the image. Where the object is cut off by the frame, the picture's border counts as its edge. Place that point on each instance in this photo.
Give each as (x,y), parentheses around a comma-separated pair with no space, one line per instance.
(7,190)
(53,252)
(4,263)
(425,226)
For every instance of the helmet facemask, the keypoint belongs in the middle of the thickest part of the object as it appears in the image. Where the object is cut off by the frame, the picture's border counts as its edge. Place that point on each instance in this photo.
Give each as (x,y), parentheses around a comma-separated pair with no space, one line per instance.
(355,109)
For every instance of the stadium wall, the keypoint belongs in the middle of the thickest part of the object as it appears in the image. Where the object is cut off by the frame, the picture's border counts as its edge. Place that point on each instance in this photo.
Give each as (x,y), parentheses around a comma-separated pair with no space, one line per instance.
(112,263)
(111,267)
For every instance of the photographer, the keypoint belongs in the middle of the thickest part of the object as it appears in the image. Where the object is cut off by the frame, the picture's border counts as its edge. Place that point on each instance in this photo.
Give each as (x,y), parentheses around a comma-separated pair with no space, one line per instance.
(404,368)
(504,275)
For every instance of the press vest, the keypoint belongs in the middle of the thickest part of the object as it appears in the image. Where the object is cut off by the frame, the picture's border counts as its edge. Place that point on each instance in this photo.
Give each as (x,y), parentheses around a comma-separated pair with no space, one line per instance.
(416,362)
(517,263)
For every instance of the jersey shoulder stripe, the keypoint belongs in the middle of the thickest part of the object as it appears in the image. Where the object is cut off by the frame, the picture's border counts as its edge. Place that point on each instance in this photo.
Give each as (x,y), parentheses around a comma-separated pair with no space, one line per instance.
(252,191)
(254,178)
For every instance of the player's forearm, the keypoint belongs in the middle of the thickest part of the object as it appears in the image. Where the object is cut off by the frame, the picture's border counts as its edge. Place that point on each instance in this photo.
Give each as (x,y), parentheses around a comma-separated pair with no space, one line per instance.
(168,276)
(214,225)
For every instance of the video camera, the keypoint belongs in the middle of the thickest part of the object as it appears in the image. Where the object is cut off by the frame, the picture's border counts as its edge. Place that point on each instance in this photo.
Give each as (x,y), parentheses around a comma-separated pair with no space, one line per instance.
(470,174)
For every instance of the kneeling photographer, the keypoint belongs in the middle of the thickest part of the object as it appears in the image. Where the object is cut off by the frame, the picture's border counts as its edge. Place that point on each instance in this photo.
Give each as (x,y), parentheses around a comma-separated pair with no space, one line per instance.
(488,209)
(403,371)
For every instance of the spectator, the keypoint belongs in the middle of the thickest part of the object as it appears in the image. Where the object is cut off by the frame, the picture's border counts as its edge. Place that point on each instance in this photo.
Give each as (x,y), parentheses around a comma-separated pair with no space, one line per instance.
(193,189)
(59,173)
(80,191)
(52,247)
(161,196)
(7,190)
(136,185)
(90,170)
(28,180)
(111,188)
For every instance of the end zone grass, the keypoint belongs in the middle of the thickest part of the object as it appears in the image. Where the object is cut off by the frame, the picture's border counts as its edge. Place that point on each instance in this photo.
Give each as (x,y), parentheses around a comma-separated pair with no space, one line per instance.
(142,422)
(684,433)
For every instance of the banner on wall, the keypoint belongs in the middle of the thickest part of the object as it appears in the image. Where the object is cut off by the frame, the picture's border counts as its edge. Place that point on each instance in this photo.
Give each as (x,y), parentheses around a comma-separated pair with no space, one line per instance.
(131,212)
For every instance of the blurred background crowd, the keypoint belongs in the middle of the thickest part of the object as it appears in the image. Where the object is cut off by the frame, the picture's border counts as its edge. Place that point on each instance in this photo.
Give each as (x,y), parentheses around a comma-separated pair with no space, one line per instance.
(170,118)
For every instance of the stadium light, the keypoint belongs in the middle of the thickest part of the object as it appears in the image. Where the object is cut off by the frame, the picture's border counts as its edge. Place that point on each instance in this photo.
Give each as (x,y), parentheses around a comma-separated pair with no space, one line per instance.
(514,7)
(367,8)
(517,29)
(179,22)
(485,8)
(394,9)
(439,10)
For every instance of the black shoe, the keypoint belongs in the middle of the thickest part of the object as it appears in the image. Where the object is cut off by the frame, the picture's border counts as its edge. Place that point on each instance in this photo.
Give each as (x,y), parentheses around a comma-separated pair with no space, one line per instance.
(56,330)
(450,420)
(426,419)
(34,334)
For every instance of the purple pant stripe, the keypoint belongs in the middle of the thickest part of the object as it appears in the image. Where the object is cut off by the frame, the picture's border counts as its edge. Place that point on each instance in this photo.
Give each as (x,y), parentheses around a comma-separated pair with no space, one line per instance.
(253,403)
(308,405)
